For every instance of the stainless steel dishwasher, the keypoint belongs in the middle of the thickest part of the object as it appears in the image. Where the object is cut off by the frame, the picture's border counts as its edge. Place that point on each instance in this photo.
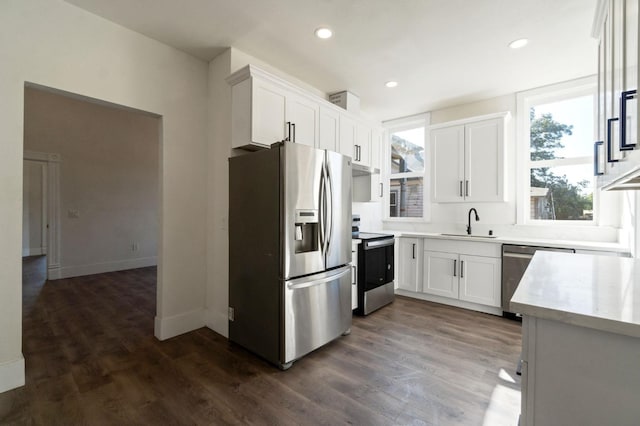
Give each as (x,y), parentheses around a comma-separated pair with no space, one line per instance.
(515,259)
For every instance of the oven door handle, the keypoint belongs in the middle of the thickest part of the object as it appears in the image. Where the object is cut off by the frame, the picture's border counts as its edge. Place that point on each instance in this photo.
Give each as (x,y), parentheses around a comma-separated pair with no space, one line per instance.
(368,245)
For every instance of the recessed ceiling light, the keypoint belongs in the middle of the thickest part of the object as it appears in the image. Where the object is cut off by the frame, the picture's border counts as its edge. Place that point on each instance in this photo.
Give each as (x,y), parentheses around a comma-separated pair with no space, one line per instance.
(324,32)
(517,44)
(391,83)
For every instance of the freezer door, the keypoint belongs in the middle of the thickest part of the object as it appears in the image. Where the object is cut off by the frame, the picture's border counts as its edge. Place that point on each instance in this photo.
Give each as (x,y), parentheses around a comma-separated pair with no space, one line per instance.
(317,309)
(338,247)
(302,177)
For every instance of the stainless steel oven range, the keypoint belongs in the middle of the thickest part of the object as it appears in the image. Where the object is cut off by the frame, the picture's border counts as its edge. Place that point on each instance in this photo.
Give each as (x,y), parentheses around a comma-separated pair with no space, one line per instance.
(375,271)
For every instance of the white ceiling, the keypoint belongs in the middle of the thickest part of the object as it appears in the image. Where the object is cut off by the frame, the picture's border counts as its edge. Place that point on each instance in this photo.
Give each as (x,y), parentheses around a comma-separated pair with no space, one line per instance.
(442,52)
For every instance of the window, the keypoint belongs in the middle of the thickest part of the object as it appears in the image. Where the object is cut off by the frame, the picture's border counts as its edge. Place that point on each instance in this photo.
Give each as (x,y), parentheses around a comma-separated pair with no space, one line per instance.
(406,166)
(556,126)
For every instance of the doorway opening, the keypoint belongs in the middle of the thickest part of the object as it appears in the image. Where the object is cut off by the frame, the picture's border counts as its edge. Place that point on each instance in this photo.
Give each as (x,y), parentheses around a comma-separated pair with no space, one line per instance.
(91,227)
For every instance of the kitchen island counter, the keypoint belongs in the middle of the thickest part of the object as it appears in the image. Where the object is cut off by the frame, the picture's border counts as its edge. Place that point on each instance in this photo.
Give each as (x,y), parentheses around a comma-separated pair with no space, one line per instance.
(599,292)
(580,339)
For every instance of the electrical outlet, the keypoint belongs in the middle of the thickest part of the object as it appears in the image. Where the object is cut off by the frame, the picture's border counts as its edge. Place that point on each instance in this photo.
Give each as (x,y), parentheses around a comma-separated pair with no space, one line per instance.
(135,247)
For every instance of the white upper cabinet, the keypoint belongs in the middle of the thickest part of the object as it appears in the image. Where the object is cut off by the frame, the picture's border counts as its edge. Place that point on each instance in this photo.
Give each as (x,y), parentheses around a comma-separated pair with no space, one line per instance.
(447,145)
(363,144)
(329,128)
(468,160)
(302,114)
(267,109)
(264,111)
(347,142)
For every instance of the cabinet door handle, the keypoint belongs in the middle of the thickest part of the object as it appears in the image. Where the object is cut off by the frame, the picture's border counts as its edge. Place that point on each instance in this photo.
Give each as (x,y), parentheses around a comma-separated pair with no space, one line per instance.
(610,158)
(381,188)
(466,187)
(455,267)
(462,269)
(293,127)
(355,152)
(596,158)
(624,97)
(413,251)
(461,188)
(288,135)
(359,155)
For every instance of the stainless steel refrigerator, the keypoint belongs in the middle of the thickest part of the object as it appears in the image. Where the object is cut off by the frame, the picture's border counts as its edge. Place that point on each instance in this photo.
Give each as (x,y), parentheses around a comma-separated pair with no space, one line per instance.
(289,250)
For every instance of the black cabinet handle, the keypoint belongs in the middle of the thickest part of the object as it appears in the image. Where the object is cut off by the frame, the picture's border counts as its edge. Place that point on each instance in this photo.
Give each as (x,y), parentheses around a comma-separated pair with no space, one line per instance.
(466,188)
(462,269)
(596,158)
(455,267)
(461,188)
(288,136)
(413,251)
(355,152)
(381,190)
(624,97)
(358,151)
(610,158)
(293,127)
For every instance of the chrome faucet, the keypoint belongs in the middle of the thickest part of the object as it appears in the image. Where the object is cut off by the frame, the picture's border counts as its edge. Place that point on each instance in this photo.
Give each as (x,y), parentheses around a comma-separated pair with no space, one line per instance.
(469,222)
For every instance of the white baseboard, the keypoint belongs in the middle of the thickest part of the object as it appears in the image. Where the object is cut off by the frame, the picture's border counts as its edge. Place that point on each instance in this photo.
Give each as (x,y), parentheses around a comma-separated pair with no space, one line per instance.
(168,327)
(216,321)
(12,374)
(451,302)
(100,268)
(34,251)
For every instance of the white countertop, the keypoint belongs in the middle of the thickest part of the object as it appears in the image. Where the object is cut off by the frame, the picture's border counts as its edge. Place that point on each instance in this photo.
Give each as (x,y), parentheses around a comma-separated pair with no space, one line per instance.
(599,292)
(580,245)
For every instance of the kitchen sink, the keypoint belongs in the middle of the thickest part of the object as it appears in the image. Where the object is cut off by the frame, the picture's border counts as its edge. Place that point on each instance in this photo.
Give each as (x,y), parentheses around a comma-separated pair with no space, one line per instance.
(468,236)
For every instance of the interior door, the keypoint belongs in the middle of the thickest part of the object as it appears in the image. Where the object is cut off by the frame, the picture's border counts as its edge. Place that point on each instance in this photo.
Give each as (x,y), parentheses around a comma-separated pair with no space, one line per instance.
(339,214)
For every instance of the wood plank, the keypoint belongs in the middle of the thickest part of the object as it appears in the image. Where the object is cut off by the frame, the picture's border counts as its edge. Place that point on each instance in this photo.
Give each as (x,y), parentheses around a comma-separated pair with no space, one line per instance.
(92,359)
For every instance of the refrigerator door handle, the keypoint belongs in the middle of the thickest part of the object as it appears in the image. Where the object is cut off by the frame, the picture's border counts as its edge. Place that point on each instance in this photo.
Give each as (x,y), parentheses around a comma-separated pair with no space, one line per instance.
(330,276)
(322,211)
(329,205)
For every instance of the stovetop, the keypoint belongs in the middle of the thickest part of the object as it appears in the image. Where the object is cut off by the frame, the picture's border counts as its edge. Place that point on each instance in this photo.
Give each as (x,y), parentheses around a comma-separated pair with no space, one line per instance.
(370,236)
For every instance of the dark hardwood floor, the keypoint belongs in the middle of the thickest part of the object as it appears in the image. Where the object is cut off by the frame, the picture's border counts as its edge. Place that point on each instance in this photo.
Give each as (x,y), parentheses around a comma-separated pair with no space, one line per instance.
(92,359)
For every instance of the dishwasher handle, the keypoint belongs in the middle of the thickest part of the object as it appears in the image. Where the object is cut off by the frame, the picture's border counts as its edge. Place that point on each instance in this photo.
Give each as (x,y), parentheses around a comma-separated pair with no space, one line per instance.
(517,255)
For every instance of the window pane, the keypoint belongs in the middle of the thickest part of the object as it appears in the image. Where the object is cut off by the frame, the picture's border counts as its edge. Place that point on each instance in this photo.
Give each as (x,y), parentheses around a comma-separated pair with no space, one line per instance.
(405,197)
(562,129)
(407,151)
(562,193)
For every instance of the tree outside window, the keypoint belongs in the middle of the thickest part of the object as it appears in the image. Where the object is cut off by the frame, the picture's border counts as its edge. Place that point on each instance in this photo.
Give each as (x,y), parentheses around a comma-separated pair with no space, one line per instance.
(561,159)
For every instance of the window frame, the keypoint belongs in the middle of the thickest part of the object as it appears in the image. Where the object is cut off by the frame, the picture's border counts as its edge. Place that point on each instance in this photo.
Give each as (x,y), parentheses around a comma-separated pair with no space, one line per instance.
(392,126)
(543,95)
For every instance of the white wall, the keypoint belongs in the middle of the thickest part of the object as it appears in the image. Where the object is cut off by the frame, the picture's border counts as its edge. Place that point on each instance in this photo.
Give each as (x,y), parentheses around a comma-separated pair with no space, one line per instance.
(501,217)
(33,218)
(55,44)
(109,180)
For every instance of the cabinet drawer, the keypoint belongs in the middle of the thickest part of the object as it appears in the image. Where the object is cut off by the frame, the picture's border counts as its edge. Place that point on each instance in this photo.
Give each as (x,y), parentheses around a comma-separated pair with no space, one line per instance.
(472,248)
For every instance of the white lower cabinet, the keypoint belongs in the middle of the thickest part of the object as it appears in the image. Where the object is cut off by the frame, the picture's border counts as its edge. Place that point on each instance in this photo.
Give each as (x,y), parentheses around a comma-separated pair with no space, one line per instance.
(460,273)
(480,280)
(409,263)
(474,279)
(440,274)
(354,275)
